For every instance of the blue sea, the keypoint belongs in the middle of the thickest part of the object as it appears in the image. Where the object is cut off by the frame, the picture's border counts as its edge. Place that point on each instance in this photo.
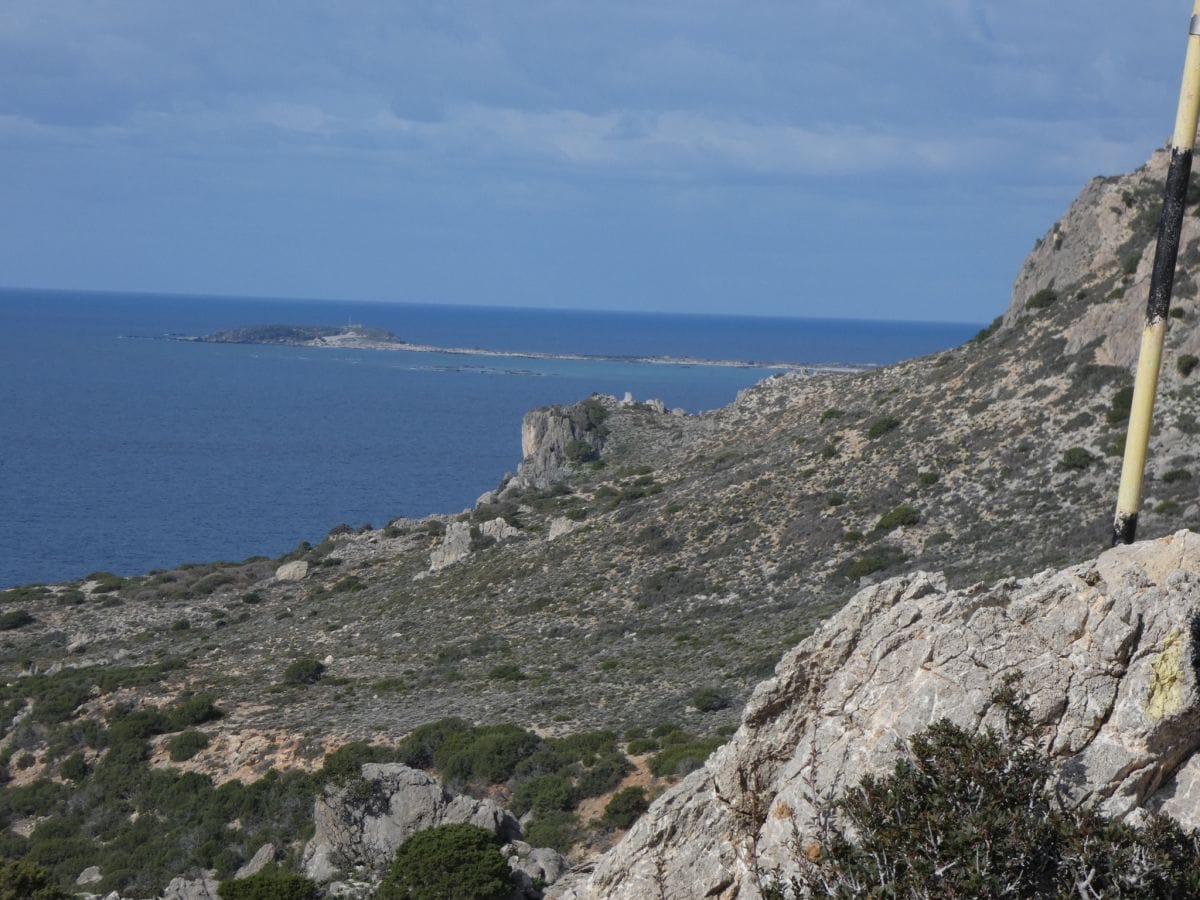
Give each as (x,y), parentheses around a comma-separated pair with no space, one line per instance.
(123,452)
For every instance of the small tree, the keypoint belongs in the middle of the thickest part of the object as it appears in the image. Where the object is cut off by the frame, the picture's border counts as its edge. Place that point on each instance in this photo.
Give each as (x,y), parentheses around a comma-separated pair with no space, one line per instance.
(303,671)
(271,883)
(459,861)
(625,807)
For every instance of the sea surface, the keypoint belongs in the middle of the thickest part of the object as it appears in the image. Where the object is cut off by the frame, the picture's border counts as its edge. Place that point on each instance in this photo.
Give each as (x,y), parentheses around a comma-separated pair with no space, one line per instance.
(122,451)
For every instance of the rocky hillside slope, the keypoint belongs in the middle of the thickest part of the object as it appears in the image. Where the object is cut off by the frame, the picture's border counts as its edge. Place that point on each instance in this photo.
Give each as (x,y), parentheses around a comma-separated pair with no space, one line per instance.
(645,566)
(1107,654)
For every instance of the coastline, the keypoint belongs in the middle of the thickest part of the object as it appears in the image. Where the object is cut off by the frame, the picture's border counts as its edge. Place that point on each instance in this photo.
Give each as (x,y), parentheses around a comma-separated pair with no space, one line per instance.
(351,341)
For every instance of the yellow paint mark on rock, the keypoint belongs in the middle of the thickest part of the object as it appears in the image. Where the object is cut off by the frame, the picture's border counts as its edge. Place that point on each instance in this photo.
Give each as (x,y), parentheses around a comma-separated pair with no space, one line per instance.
(1166,691)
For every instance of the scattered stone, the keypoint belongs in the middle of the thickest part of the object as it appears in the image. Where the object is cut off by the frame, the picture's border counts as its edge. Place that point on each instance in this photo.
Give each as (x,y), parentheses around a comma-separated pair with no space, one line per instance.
(455,545)
(90,875)
(293,571)
(202,888)
(560,526)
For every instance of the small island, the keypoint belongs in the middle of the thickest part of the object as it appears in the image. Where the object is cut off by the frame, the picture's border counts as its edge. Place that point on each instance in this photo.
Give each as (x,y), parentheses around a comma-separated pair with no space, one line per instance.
(361,337)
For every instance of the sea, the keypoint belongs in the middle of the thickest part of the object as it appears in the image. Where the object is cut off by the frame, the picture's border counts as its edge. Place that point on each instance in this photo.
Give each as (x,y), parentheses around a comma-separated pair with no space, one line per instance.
(123,451)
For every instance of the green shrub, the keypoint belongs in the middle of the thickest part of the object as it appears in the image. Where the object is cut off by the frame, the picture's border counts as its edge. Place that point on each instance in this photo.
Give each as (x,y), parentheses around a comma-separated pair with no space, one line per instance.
(542,794)
(682,757)
(22,880)
(971,815)
(506,672)
(641,746)
(73,768)
(863,566)
(1041,299)
(928,479)
(1130,263)
(882,425)
(625,807)
(1177,475)
(271,883)
(186,744)
(559,830)
(580,451)
(1176,312)
(987,331)
(14,619)
(194,710)
(1186,364)
(709,700)
(833,413)
(1122,403)
(489,754)
(835,499)
(450,861)
(424,743)
(896,517)
(303,671)
(1076,458)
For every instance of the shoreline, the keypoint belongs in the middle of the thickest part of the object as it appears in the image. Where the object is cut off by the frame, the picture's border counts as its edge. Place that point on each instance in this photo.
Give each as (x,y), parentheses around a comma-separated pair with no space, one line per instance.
(350,341)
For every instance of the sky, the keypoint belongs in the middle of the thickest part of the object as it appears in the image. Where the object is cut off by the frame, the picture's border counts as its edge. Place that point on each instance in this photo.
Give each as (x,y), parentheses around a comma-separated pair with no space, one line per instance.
(841,158)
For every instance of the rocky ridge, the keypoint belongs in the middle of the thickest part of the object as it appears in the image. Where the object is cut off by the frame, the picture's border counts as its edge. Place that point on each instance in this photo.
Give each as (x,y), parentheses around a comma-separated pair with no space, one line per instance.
(1107,653)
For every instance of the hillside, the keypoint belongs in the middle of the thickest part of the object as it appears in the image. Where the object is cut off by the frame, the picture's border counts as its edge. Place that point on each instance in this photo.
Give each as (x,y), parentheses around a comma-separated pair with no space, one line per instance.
(639,556)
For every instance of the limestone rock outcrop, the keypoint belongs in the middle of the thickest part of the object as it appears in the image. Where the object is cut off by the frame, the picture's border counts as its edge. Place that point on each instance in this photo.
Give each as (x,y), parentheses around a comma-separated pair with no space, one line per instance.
(1107,653)
(553,437)
(360,825)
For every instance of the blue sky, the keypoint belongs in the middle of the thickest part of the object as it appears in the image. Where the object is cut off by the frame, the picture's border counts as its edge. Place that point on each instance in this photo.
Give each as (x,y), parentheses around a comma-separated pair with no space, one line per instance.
(815,157)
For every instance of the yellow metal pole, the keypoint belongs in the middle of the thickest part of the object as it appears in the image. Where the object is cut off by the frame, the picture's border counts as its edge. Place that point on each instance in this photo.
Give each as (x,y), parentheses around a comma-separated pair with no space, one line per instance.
(1158,305)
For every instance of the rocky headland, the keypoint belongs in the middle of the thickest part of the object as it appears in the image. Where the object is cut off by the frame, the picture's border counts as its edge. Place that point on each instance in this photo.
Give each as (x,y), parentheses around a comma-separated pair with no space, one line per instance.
(643,570)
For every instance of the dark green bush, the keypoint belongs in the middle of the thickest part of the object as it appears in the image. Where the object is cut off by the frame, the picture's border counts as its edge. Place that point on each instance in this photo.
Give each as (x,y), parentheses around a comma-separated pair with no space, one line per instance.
(542,794)
(1041,299)
(625,807)
(882,425)
(1177,475)
(423,744)
(971,815)
(897,517)
(928,479)
(450,861)
(1076,458)
(506,672)
(641,746)
(195,710)
(271,883)
(709,700)
(303,671)
(1122,403)
(186,744)
(22,880)
(580,451)
(15,618)
(489,754)
(73,768)
(682,757)
(1186,364)
(559,830)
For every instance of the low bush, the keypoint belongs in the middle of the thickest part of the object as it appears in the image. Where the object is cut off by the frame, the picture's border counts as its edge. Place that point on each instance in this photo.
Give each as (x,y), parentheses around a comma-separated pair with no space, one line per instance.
(459,861)
(303,671)
(186,744)
(558,830)
(683,756)
(1119,408)
(14,619)
(973,815)
(625,807)
(1042,299)
(1076,458)
(896,517)
(270,883)
(22,880)
(709,700)
(1186,364)
(882,425)
(1177,475)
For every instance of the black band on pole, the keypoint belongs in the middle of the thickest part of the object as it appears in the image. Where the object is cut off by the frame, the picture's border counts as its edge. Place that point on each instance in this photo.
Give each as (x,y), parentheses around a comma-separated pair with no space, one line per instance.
(1170,226)
(1124,529)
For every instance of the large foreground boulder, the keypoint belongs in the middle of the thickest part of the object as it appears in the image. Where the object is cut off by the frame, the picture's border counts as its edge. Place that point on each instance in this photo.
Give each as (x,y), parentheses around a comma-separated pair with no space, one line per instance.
(1107,653)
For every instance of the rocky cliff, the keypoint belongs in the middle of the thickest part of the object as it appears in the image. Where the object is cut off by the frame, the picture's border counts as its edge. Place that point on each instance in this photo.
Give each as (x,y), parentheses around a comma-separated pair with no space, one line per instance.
(1108,653)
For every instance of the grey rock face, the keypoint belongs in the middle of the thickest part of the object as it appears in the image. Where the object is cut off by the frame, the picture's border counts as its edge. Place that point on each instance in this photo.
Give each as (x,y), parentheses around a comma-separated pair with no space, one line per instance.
(202,888)
(259,861)
(293,571)
(499,530)
(546,436)
(1107,653)
(361,824)
(455,545)
(90,875)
